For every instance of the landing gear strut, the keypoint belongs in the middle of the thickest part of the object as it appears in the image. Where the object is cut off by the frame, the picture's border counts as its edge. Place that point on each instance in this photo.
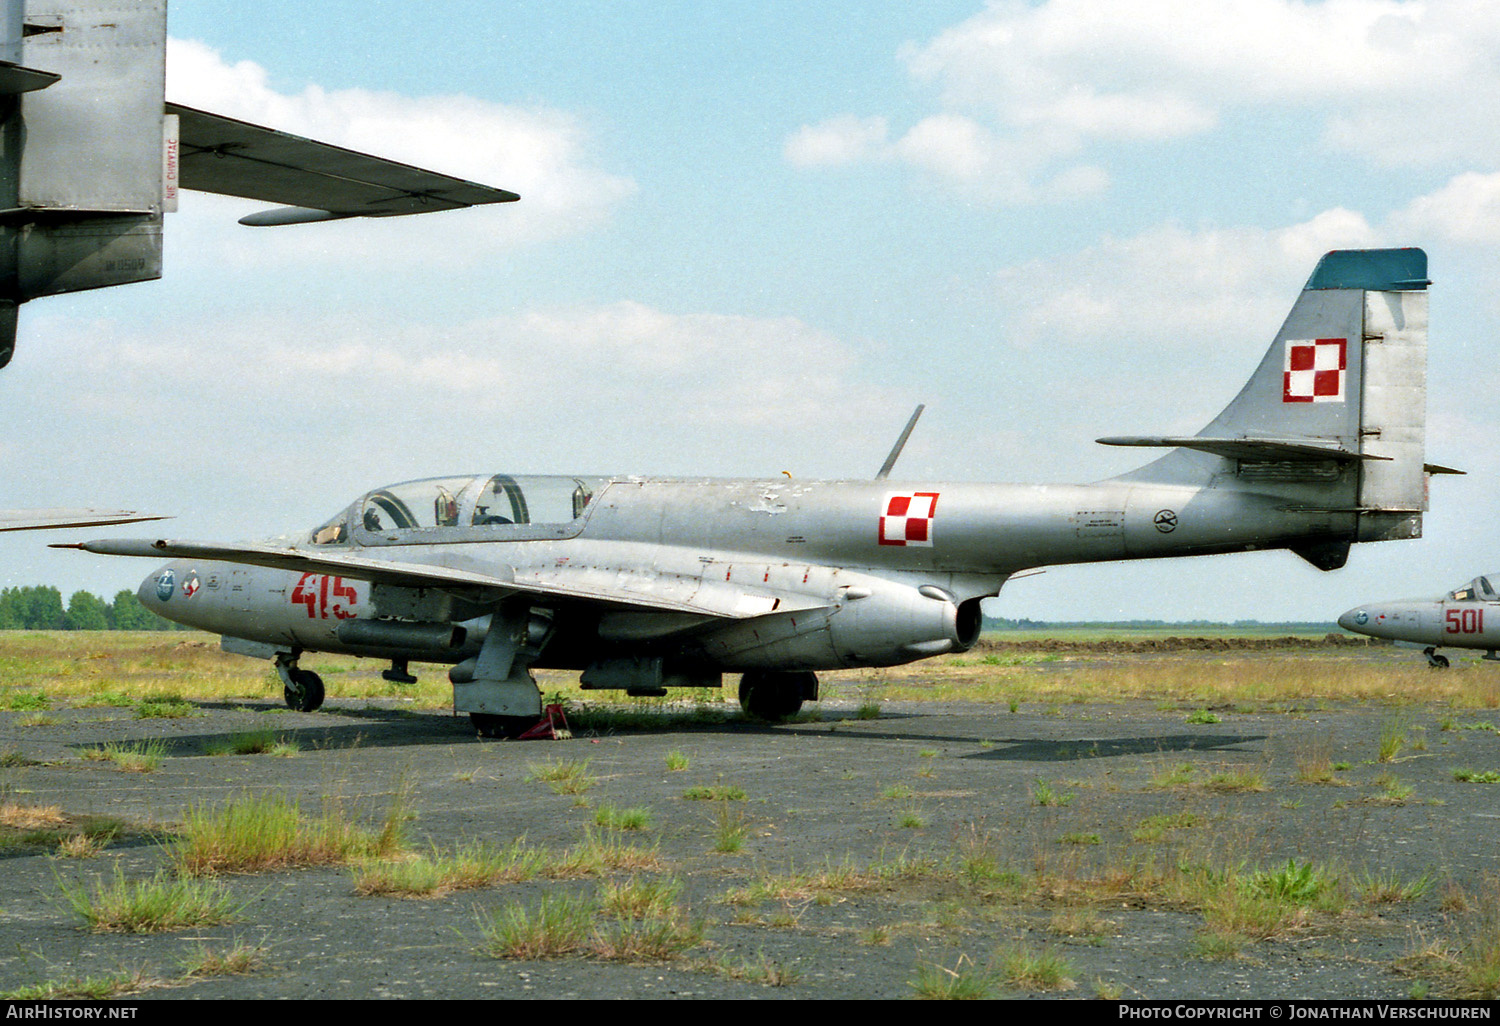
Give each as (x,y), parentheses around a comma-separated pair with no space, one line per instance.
(302,690)
(1437,662)
(775,696)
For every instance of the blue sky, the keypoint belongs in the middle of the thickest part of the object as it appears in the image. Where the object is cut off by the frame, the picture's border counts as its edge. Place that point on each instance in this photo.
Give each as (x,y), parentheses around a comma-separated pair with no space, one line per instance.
(753,236)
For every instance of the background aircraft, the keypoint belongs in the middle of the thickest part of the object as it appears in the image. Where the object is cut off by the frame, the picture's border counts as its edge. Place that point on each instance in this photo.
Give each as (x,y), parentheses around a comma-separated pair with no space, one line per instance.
(1466,617)
(92,156)
(44,519)
(645,584)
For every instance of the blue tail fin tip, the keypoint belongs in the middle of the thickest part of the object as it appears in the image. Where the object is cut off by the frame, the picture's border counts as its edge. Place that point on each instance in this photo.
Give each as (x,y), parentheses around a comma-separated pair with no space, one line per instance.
(1375,270)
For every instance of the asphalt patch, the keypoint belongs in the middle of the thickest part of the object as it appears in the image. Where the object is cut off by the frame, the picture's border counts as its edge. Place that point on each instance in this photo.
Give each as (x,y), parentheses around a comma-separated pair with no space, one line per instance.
(1052,796)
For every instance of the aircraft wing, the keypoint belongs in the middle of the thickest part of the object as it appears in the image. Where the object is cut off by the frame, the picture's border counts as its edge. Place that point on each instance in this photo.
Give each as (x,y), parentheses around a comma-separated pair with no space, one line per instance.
(41,519)
(316,181)
(636,589)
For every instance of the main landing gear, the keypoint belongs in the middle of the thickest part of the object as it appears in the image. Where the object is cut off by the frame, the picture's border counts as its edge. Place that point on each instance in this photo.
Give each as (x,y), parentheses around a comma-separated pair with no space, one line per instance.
(1437,662)
(301,689)
(503,727)
(775,696)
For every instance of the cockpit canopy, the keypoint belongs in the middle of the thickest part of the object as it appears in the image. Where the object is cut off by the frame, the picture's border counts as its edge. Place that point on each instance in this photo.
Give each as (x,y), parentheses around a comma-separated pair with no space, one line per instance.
(1477,590)
(479,508)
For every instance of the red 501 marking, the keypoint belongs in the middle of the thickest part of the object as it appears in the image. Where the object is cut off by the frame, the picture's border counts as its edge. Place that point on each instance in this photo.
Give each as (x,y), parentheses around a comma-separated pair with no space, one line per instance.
(1465,621)
(315,592)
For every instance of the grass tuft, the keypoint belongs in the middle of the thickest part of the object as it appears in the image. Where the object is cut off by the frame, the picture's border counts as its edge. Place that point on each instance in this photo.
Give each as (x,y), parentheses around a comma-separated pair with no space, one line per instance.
(564,776)
(611,818)
(714,793)
(141,757)
(964,982)
(560,925)
(1043,793)
(162,903)
(255,742)
(255,833)
(237,961)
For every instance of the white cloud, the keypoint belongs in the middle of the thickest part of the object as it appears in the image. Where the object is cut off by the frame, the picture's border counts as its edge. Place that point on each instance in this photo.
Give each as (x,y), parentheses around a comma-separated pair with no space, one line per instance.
(624,383)
(541,153)
(1392,81)
(1466,210)
(1173,289)
(843,140)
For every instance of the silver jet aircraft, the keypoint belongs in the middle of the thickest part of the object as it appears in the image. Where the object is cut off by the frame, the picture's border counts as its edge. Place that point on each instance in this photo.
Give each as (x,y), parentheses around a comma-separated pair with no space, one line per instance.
(646,584)
(92,156)
(1466,617)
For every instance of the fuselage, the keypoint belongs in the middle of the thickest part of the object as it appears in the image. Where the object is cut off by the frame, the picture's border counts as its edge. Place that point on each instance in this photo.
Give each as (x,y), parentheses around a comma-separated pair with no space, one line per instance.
(911,559)
(1467,617)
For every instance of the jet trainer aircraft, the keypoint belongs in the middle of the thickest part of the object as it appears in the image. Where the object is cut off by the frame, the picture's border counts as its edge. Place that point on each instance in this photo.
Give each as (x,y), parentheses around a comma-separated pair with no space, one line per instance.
(91,156)
(646,584)
(1457,620)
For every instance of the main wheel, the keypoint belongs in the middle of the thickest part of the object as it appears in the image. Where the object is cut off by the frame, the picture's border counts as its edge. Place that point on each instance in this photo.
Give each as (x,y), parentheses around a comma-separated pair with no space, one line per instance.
(772,696)
(304,692)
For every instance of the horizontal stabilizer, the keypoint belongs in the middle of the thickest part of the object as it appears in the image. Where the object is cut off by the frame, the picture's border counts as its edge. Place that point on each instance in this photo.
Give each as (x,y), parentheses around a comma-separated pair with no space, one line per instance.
(1249,448)
(15,79)
(236,158)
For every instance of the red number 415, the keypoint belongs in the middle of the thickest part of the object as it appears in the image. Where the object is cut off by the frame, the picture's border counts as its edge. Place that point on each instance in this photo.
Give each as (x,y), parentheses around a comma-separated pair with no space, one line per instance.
(323,595)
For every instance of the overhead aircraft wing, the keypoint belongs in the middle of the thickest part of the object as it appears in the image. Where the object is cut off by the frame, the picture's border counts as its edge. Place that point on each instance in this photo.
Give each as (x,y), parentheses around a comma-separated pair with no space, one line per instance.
(41,519)
(315,181)
(637,589)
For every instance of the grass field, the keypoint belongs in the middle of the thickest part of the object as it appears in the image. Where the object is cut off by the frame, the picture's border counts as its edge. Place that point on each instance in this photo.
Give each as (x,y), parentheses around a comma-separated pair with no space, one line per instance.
(1115,814)
(1249,669)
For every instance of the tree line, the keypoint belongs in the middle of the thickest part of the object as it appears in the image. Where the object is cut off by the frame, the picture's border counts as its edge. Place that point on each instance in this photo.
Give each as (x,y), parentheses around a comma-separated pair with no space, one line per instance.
(40,608)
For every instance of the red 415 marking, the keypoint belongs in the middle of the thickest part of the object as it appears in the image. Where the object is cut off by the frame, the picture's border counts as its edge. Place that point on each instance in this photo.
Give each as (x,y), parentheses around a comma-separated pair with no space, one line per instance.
(314,592)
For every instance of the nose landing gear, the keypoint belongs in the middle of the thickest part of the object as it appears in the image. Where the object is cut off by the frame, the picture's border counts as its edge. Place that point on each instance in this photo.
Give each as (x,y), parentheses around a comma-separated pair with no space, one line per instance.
(301,689)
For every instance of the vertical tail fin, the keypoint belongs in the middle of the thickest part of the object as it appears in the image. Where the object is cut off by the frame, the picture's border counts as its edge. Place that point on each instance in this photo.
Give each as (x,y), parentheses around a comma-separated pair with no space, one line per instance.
(1334,417)
(81,140)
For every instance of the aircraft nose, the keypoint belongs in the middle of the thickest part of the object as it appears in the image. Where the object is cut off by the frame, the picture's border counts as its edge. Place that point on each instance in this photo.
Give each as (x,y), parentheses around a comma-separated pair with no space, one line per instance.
(158,586)
(1355,620)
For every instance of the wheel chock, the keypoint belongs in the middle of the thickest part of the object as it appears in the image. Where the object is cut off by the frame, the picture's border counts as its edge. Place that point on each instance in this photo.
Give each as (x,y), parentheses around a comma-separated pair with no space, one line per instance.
(553,726)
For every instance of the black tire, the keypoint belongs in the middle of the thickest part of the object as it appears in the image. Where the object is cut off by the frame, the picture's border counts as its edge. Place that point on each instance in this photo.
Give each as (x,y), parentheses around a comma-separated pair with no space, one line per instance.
(502,727)
(774,697)
(305,692)
(1439,662)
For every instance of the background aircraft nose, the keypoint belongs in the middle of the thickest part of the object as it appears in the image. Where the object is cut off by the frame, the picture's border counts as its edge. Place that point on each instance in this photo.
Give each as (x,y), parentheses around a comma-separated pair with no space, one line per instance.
(1354,619)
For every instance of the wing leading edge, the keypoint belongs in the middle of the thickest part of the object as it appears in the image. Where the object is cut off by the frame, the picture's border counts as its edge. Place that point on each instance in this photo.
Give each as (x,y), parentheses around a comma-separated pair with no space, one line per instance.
(316,181)
(634,589)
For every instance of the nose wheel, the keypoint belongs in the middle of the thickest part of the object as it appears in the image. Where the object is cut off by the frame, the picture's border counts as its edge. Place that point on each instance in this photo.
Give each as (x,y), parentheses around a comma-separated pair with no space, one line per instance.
(1437,662)
(301,689)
